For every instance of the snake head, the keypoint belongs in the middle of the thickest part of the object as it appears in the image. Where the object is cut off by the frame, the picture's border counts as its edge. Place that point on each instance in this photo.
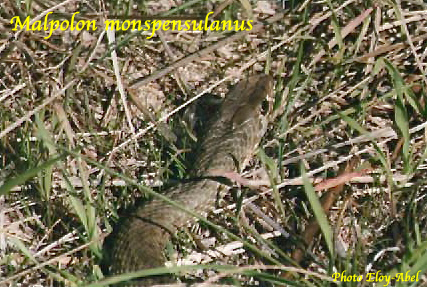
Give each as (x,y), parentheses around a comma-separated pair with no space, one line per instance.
(236,132)
(249,95)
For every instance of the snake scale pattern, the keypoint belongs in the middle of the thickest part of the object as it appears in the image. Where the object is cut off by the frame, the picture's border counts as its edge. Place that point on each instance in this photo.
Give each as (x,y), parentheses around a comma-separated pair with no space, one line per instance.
(229,143)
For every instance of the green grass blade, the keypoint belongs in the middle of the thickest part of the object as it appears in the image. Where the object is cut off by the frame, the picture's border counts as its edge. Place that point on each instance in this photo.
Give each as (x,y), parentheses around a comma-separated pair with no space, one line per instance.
(318,211)
(21,179)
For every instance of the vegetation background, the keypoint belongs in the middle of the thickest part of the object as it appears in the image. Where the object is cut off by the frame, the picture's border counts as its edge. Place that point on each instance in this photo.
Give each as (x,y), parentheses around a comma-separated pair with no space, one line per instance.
(88,117)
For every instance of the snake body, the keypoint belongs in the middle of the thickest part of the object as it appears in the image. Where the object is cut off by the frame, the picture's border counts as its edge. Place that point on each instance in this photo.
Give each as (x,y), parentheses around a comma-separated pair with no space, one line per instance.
(229,143)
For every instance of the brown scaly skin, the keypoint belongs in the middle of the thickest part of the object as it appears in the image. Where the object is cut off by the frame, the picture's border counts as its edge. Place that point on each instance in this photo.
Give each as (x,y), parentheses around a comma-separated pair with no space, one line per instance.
(230,142)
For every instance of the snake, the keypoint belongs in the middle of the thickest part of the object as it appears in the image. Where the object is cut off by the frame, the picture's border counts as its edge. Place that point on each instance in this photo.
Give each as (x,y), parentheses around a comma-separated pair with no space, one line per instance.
(228,145)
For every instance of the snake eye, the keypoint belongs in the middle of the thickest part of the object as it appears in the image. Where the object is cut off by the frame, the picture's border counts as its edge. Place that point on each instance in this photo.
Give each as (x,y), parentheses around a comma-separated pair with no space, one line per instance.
(265,107)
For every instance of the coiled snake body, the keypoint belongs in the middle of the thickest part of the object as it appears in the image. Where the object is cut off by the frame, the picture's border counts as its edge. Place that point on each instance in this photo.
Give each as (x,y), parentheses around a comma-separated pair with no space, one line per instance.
(230,142)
